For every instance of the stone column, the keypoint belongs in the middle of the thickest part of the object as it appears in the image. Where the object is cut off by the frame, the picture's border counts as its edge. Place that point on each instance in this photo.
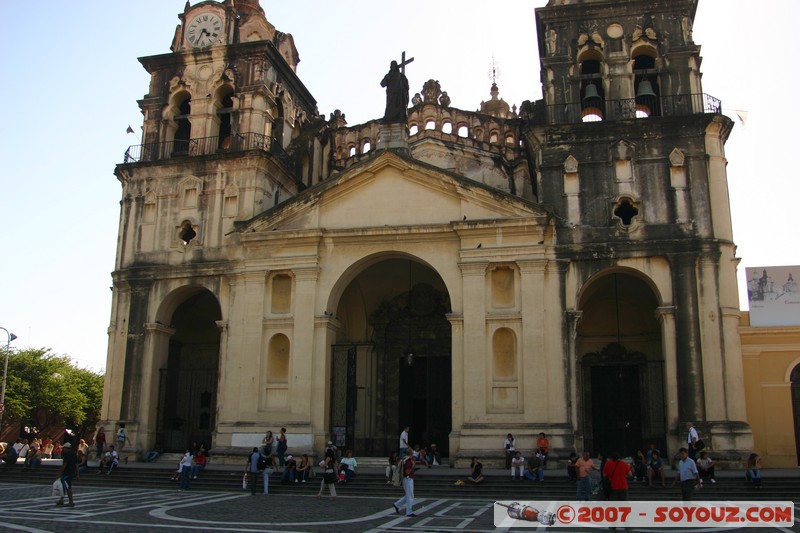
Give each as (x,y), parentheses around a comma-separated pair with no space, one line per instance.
(325,329)
(457,378)
(155,358)
(712,349)
(691,397)
(222,371)
(572,390)
(553,324)
(134,349)
(719,200)
(117,342)
(666,317)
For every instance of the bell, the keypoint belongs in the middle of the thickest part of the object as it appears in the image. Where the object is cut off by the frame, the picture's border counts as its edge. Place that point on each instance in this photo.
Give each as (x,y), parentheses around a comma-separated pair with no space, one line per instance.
(591,92)
(645,89)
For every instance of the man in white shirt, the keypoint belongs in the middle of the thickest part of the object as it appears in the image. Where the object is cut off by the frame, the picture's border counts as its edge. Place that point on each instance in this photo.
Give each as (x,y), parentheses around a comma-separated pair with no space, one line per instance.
(691,440)
(110,460)
(23,449)
(517,466)
(404,440)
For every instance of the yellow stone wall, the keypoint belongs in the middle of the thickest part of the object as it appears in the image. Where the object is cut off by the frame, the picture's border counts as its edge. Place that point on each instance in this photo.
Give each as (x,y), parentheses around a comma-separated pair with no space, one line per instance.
(768,355)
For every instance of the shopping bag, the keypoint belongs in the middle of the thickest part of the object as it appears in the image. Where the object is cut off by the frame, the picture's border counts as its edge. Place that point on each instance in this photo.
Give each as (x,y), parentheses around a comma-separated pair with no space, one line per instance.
(58,488)
(245,480)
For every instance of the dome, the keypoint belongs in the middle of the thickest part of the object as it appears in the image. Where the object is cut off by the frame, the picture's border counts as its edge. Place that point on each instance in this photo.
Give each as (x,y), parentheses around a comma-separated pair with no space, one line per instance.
(496,107)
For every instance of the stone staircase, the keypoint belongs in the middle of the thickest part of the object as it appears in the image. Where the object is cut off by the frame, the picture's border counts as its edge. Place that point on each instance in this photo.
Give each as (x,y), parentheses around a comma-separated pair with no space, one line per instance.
(430,483)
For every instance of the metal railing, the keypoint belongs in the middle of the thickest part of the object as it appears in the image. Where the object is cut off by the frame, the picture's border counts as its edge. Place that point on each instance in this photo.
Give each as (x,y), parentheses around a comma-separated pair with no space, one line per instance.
(642,107)
(240,142)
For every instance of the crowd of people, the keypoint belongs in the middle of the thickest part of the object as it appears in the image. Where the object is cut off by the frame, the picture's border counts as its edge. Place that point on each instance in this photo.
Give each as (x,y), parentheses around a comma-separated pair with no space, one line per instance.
(32,452)
(272,459)
(596,477)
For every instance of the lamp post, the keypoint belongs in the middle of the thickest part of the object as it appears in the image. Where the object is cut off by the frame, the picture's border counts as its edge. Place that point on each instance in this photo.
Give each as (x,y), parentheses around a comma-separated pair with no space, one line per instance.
(10,337)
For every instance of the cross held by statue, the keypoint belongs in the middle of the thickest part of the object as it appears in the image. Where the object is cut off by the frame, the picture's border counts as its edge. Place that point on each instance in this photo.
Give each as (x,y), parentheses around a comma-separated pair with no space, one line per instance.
(404,62)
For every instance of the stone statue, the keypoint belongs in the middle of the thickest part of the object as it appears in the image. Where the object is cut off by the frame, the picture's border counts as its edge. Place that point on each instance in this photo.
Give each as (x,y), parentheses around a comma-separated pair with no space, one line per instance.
(551,41)
(396,85)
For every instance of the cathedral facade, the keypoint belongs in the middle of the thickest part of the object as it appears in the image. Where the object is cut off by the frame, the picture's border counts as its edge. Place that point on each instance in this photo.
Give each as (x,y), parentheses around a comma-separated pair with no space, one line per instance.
(567,267)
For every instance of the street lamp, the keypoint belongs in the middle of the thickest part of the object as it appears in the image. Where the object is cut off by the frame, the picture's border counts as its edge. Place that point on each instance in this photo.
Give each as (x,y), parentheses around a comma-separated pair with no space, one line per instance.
(10,337)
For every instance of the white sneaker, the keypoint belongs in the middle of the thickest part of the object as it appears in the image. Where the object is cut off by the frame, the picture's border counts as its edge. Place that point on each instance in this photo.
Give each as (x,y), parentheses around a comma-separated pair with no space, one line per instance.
(713,480)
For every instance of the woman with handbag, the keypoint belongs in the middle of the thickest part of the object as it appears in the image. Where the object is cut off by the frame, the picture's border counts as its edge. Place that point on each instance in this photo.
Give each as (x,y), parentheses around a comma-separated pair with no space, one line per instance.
(329,478)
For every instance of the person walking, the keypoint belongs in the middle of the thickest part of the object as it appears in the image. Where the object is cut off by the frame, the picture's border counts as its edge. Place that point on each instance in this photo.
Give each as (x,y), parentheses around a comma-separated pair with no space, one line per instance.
(69,471)
(617,472)
(584,466)
(122,437)
(404,440)
(408,484)
(252,470)
(100,442)
(266,472)
(692,439)
(329,478)
(687,474)
(186,470)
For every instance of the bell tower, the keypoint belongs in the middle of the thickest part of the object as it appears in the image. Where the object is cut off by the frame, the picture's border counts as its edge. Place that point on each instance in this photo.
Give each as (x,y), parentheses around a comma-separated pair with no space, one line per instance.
(221,111)
(221,144)
(630,155)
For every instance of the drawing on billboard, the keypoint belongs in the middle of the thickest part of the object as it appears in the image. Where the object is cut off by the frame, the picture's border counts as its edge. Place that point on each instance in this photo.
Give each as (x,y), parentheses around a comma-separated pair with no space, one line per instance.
(774,296)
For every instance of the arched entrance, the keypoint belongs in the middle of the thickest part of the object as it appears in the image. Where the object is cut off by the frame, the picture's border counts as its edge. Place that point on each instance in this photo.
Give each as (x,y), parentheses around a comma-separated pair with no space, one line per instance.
(187,394)
(392,361)
(621,373)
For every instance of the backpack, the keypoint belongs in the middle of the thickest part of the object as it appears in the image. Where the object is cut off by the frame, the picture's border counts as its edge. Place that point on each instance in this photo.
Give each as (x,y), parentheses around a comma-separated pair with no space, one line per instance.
(262,462)
(397,475)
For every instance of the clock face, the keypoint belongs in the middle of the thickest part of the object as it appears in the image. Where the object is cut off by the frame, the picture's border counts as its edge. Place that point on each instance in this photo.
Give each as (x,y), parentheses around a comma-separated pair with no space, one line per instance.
(204,30)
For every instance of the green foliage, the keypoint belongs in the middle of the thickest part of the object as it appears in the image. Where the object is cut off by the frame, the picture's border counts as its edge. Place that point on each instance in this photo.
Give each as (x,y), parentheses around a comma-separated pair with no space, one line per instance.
(44,389)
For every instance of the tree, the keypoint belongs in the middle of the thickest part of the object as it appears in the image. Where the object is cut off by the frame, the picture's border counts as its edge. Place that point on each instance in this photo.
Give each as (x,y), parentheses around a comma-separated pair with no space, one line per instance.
(47,391)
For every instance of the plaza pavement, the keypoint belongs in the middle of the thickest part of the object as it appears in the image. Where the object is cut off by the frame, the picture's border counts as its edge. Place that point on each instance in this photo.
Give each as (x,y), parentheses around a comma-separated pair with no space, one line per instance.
(120,509)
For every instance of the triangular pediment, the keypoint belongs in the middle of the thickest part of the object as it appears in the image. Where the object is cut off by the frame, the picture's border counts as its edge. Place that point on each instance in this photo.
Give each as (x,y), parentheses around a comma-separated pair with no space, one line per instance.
(391,190)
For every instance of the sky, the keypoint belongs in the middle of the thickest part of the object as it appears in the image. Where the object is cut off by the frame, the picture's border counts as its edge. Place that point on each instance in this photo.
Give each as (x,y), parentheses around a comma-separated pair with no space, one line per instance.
(72,81)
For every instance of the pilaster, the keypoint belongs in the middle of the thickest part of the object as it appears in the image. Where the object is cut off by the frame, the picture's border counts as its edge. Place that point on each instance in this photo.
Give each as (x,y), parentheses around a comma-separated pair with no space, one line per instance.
(303,343)
(535,363)
(473,277)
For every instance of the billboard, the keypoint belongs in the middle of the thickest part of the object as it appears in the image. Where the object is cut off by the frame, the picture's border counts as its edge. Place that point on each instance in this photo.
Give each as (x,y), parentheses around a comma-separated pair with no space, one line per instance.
(774,295)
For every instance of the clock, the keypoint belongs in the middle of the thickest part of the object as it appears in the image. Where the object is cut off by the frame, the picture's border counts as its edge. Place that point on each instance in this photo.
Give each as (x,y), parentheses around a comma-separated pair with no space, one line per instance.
(204,30)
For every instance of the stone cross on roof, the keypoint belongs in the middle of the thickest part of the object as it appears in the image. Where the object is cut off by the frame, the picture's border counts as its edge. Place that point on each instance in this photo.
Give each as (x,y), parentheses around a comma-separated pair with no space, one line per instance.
(404,62)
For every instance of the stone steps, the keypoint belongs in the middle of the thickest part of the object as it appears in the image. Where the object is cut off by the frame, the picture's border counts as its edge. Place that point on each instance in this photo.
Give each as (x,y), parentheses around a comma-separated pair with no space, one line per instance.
(436,483)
